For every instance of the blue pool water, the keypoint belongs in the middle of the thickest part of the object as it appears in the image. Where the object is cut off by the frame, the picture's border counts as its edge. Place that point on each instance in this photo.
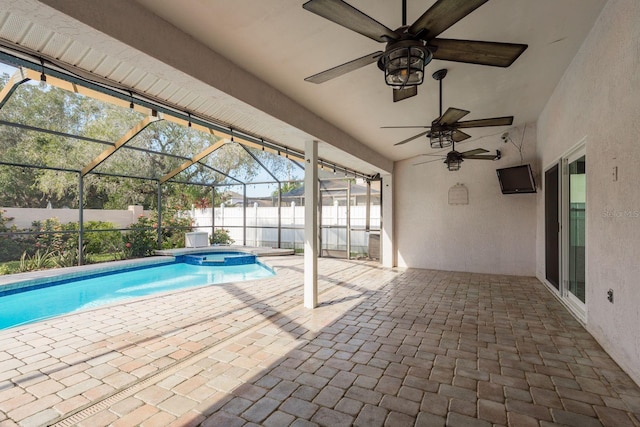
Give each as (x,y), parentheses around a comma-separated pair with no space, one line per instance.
(24,306)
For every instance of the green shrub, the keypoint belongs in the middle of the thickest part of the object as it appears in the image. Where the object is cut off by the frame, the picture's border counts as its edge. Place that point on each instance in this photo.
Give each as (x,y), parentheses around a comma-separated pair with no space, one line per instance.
(10,267)
(56,237)
(4,220)
(142,239)
(174,225)
(221,237)
(99,242)
(37,261)
(12,247)
(68,258)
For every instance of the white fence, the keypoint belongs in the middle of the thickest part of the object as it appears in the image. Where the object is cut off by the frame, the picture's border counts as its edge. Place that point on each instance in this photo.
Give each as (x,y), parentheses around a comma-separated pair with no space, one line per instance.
(262,225)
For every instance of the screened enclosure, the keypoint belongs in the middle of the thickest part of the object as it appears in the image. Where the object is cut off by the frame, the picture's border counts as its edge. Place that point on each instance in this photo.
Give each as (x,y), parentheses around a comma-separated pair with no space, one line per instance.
(89,174)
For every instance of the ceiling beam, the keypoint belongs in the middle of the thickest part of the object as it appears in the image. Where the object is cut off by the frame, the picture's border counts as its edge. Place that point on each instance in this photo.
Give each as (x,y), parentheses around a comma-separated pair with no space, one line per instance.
(77,85)
(131,133)
(29,74)
(14,82)
(201,155)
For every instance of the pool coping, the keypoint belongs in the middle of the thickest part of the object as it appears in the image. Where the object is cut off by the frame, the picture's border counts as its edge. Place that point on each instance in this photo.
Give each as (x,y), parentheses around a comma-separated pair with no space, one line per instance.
(42,277)
(224,248)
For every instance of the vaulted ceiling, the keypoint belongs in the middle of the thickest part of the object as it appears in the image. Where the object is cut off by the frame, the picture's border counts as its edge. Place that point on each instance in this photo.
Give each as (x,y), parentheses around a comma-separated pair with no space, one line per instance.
(280,43)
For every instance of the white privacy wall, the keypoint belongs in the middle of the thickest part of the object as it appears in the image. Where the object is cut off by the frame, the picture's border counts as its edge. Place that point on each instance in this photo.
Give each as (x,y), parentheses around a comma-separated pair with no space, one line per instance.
(599,98)
(494,233)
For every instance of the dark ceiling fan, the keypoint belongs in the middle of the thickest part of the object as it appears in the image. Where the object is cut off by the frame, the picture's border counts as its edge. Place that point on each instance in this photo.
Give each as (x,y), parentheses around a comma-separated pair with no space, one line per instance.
(411,47)
(453,159)
(445,130)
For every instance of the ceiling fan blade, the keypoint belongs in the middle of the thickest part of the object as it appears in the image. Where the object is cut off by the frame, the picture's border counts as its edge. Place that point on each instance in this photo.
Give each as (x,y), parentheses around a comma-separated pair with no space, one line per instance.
(442,15)
(477,52)
(349,17)
(408,92)
(451,116)
(345,68)
(411,139)
(405,127)
(481,157)
(495,121)
(429,161)
(460,136)
(474,152)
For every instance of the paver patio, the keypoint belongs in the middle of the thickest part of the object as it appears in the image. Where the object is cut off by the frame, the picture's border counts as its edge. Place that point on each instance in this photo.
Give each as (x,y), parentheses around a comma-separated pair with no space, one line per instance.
(386,347)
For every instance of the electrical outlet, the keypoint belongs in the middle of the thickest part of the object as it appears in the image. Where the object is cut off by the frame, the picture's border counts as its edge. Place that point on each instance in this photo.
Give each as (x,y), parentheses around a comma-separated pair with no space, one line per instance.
(610,295)
(614,174)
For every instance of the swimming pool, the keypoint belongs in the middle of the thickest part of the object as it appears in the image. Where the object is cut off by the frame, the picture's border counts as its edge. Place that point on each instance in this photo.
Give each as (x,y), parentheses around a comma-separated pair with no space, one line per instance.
(37,302)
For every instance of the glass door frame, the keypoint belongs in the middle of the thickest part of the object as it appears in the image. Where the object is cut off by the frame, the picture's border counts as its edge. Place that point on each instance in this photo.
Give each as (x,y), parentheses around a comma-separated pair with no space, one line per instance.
(325,229)
(574,303)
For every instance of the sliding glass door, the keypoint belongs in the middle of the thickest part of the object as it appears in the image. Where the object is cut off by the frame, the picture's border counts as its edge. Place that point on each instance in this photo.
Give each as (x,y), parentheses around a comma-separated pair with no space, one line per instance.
(575,238)
(552,224)
(565,228)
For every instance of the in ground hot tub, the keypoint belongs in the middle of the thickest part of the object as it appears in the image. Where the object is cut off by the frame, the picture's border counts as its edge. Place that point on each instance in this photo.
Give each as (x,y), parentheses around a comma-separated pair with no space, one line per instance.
(219,258)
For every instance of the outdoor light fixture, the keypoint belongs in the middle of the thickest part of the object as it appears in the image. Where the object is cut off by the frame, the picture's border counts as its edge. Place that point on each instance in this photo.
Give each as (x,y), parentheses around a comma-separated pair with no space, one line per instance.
(43,77)
(441,139)
(403,63)
(453,161)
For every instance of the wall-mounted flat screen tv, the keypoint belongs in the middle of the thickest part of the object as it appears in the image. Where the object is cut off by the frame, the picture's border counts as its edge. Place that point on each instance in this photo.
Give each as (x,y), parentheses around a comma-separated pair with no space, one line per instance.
(516,179)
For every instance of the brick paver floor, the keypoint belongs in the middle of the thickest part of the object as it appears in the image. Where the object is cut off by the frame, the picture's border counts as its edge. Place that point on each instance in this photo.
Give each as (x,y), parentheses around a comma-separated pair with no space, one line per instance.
(385,348)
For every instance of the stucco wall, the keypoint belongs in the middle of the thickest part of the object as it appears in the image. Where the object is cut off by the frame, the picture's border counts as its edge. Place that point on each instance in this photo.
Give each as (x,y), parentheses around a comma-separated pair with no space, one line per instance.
(494,233)
(599,98)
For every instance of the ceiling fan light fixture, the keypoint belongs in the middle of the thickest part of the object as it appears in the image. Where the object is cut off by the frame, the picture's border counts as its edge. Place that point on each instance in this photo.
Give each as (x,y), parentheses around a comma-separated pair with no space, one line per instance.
(403,63)
(454,161)
(441,139)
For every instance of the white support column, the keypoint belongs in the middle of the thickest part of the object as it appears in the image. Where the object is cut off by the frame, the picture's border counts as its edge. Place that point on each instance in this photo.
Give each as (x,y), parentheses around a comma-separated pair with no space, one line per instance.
(387,244)
(311,224)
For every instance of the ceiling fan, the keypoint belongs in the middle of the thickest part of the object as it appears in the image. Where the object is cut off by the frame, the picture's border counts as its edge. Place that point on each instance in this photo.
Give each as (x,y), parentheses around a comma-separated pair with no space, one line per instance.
(454,159)
(445,130)
(411,47)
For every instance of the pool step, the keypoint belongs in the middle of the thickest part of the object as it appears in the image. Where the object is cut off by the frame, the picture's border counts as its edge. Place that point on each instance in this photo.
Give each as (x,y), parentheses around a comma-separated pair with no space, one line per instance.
(220,259)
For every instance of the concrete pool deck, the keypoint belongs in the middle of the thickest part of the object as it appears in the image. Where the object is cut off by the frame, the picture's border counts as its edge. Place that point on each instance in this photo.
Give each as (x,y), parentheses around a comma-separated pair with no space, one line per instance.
(385,347)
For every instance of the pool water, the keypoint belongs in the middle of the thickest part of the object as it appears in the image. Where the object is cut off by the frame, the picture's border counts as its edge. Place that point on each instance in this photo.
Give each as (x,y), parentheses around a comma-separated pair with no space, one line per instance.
(79,294)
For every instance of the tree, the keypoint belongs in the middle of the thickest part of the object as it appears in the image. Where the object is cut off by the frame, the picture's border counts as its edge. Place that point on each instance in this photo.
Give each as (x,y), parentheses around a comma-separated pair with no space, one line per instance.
(287,186)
